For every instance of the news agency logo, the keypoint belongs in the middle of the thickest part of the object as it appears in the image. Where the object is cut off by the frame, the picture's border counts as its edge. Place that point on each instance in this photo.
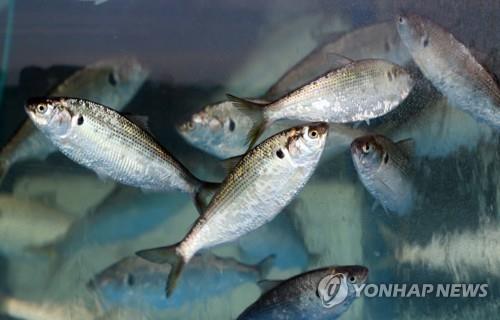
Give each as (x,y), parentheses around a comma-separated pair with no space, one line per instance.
(333,290)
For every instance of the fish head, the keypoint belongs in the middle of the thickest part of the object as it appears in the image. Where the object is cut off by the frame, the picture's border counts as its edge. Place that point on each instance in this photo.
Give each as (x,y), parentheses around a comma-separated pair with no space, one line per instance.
(51,115)
(127,72)
(219,129)
(414,32)
(355,275)
(305,143)
(368,153)
(206,124)
(122,276)
(400,79)
(111,82)
(125,75)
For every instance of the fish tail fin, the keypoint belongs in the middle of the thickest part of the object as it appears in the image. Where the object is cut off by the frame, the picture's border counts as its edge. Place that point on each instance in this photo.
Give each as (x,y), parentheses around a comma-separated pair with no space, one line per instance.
(203,195)
(168,255)
(256,111)
(265,265)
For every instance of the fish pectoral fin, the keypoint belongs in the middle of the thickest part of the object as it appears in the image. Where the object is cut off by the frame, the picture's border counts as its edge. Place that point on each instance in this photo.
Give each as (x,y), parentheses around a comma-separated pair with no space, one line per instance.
(266,285)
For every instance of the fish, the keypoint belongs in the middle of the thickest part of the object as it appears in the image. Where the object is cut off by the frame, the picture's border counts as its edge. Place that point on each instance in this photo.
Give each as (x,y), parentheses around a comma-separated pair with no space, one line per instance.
(221,130)
(25,223)
(126,215)
(52,310)
(30,310)
(135,282)
(111,82)
(282,42)
(385,169)
(263,182)
(112,146)
(451,68)
(377,41)
(303,296)
(359,91)
(57,189)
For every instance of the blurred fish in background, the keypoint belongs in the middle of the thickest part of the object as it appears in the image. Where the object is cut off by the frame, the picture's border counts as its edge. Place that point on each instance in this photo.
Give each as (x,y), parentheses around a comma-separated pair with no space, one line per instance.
(136,282)
(385,169)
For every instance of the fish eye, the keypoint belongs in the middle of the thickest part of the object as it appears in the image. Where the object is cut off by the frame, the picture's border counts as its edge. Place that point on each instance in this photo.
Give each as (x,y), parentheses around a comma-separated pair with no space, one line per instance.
(190,125)
(112,79)
(280,154)
(366,148)
(313,134)
(130,279)
(425,41)
(232,125)
(41,108)
(401,19)
(352,279)
(79,121)
(386,158)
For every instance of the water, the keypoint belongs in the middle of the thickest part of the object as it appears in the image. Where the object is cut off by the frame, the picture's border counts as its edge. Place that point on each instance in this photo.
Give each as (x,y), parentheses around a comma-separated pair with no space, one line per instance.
(195,52)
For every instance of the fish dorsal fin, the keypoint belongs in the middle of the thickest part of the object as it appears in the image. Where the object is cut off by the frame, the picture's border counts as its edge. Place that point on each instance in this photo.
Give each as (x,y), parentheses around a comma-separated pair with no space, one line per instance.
(341,60)
(407,146)
(267,285)
(141,121)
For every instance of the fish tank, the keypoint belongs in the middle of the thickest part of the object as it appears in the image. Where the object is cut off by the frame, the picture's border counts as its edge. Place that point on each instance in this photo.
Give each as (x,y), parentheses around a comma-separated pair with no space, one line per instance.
(249,159)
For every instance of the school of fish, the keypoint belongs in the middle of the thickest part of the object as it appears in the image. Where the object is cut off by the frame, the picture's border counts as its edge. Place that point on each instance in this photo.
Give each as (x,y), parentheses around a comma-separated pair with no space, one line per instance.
(372,104)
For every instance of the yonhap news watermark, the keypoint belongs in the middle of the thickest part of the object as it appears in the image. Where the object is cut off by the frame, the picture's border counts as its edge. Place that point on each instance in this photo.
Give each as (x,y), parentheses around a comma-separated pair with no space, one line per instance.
(335,289)
(422,290)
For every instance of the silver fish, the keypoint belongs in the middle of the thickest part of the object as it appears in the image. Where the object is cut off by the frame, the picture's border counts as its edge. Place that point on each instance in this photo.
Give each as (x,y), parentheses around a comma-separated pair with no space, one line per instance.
(265,180)
(219,129)
(25,224)
(135,282)
(303,296)
(108,143)
(451,68)
(110,82)
(378,41)
(384,168)
(52,310)
(359,91)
